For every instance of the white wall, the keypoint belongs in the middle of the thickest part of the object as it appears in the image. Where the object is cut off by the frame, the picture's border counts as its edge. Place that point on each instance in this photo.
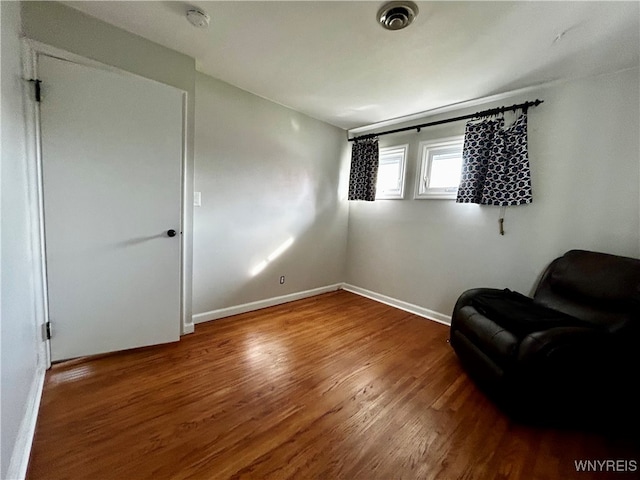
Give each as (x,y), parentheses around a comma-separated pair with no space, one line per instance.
(20,369)
(584,154)
(267,174)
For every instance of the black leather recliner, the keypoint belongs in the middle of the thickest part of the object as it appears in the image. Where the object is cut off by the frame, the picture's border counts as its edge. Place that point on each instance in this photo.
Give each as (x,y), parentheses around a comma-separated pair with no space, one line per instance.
(570,353)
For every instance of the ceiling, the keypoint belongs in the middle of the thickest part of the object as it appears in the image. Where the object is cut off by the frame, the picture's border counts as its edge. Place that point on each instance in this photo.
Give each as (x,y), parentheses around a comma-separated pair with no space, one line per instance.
(332,61)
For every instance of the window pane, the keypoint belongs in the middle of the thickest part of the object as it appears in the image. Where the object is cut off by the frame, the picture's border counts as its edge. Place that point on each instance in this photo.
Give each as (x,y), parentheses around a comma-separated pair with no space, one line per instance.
(445,171)
(440,168)
(391,172)
(388,177)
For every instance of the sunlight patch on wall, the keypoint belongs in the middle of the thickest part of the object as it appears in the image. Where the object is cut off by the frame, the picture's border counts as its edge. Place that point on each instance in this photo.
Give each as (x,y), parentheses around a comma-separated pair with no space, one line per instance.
(272,256)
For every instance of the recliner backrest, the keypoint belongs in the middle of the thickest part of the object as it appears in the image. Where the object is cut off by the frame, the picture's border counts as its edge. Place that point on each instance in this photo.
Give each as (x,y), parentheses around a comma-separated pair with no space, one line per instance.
(598,287)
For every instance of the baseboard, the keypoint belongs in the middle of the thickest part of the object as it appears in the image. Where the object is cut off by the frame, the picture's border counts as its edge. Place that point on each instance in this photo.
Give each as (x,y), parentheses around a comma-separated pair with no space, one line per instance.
(22,448)
(269,302)
(187,328)
(407,307)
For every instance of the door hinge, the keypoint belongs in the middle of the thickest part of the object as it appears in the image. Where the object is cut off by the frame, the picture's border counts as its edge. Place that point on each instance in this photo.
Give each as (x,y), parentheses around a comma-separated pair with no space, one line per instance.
(36,88)
(47,330)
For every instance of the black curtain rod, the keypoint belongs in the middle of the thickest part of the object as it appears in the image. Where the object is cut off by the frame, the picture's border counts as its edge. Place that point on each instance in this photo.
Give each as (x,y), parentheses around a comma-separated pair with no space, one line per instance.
(485,113)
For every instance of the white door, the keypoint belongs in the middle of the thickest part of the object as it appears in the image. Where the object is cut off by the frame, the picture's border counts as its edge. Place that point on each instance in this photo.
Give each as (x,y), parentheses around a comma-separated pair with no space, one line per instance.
(111,166)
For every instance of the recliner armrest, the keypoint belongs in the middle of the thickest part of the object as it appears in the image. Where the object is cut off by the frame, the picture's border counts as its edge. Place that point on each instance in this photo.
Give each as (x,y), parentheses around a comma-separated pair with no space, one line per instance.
(557,341)
(573,368)
(466,298)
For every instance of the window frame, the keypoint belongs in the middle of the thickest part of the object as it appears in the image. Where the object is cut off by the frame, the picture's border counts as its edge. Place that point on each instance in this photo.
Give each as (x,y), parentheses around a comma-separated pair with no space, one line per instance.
(422,192)
(395,195)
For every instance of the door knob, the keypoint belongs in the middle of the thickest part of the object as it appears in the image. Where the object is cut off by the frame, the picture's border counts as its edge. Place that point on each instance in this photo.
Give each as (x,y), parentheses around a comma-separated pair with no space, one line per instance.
(171,233)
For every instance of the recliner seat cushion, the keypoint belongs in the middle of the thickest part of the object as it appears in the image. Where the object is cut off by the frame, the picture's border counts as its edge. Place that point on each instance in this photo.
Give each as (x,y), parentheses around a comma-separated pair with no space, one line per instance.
(520,315)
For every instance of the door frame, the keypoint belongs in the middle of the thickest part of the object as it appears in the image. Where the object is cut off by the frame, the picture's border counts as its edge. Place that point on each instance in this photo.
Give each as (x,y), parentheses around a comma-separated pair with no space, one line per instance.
(31,50)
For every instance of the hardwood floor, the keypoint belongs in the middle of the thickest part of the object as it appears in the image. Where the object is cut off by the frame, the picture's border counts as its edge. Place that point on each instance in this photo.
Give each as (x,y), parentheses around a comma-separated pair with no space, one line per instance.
(332,387)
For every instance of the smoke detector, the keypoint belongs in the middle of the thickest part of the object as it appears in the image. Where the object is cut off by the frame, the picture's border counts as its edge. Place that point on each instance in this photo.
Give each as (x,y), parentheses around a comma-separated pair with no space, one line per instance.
(397,15)
(198,18)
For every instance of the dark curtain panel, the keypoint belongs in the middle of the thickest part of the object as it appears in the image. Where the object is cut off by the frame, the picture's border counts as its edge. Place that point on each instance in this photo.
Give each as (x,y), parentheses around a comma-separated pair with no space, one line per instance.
(508,180)
(495,164)
(364,170)
(476,153)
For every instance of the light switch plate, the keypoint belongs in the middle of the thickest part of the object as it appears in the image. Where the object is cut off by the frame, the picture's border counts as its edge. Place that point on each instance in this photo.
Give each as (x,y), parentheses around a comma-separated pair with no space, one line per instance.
(197,199)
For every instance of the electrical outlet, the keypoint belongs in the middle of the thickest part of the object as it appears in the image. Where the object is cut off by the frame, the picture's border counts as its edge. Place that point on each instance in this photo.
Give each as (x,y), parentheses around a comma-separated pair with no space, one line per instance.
(282,280)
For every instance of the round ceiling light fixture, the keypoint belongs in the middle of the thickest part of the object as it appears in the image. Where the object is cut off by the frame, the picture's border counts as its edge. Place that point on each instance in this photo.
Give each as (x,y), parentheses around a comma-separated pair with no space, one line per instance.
(198,18)
(397,15)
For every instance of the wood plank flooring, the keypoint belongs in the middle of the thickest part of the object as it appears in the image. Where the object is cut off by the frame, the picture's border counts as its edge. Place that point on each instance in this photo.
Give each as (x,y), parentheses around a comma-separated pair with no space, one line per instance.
(332,387)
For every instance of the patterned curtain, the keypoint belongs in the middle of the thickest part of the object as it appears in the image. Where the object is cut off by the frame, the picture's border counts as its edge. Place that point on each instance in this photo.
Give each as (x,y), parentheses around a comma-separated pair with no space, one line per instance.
(364,170)
(476,153)
(495,164)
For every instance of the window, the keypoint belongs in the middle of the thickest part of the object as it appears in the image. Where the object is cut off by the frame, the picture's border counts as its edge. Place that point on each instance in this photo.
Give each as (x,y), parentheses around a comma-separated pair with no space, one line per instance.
(390,182)
(440,168)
